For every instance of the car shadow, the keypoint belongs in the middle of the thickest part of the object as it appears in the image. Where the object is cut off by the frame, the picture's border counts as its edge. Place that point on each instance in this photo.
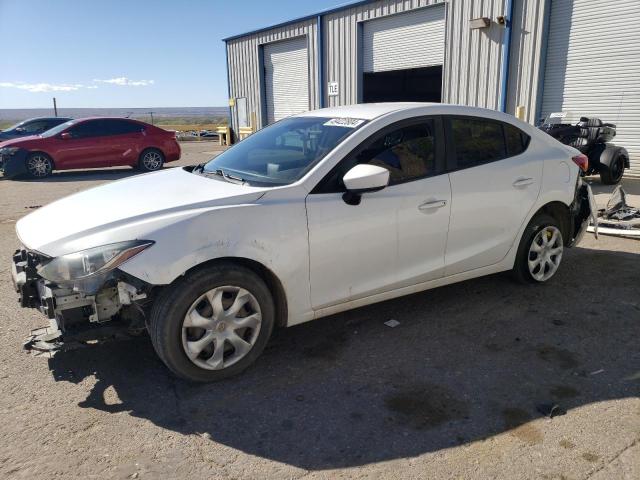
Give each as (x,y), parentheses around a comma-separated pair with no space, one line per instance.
(467,362)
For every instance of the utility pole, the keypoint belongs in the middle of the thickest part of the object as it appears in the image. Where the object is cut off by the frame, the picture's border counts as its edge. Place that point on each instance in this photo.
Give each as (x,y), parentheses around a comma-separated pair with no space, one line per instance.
(151,113)
(55,107)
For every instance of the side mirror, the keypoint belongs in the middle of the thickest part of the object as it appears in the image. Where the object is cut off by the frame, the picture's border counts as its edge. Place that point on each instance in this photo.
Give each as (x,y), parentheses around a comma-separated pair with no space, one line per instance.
(65,135)
(361,179)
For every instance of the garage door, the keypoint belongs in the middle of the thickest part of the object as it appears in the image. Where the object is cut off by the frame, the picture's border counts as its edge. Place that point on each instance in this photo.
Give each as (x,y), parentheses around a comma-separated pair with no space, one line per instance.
(593,66)
(404,41)
(286,78)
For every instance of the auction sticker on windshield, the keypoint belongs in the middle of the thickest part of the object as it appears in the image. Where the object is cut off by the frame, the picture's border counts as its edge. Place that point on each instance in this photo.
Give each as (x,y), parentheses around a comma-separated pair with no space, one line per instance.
(344,122)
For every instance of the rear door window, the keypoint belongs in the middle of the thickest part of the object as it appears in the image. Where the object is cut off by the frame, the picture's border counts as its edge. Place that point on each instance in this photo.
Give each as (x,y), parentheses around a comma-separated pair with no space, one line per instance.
(122,127)
(476,141)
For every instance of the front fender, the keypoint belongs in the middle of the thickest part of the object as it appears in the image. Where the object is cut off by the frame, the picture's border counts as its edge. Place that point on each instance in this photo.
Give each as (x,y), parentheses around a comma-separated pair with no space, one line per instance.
(274,235)
(609,152)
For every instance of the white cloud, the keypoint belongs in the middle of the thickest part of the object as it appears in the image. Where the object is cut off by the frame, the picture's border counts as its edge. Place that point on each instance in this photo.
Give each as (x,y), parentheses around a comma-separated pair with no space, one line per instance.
(43,87)
(124,81)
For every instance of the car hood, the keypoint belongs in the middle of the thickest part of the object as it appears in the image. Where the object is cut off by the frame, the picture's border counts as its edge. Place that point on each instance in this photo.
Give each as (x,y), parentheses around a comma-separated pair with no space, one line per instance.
(104,214)
(17,141)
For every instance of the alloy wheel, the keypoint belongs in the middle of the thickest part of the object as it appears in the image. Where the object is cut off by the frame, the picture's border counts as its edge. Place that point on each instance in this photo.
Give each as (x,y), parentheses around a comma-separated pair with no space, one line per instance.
(152,160)
(39,166)
(221,327)
(545,253)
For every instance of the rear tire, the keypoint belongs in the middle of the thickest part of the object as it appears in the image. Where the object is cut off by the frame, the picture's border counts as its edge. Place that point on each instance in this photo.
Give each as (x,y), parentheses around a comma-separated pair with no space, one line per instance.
(612,174)
(213,323)
(39,165)
(150,160)
(540,251)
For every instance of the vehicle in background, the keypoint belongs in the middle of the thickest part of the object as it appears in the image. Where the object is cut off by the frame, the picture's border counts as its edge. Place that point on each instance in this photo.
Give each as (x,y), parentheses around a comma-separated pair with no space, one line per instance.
(33,126)
(90,143)
(208,134)
(316,214)
(591,136)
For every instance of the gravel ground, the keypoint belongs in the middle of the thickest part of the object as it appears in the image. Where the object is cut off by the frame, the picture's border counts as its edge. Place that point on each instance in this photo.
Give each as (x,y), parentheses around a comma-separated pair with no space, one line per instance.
(449,393)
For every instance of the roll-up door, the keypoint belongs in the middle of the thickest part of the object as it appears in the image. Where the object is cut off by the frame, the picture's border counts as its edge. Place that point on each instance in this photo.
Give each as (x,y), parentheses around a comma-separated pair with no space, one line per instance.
(404,41)
(286,78)
(593,66)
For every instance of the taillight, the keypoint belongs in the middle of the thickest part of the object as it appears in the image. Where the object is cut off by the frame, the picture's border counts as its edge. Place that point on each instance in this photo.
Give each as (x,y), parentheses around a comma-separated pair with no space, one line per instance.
(582,161)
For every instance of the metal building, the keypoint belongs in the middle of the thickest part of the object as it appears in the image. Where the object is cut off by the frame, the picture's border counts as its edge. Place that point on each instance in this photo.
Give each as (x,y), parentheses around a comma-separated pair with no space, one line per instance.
(533,57)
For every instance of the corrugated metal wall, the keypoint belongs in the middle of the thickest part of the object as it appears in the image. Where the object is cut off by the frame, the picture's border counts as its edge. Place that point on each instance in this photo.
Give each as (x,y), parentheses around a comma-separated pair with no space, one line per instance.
(407,40)
(245,67)
(341,43)
(472,57)
(593,67)
(526,70)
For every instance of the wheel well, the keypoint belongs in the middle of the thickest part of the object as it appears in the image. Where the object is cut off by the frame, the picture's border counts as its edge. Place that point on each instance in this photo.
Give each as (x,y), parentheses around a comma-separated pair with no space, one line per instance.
(560,212)
(272,281)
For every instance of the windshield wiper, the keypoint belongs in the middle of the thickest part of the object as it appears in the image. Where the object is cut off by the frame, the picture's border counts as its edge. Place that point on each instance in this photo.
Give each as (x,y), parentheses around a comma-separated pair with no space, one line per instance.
(221,173)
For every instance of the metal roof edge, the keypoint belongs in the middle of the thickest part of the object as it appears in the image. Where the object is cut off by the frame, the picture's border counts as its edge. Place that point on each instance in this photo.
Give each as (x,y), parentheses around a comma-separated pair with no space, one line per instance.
(328,11)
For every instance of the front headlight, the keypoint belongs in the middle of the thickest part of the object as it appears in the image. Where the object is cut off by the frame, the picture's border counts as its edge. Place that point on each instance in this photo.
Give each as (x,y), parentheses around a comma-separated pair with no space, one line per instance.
(8,151)
(94,261)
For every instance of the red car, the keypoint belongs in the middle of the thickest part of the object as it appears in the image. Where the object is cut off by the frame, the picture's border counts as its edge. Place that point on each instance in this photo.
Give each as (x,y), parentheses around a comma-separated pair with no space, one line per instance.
(89,143)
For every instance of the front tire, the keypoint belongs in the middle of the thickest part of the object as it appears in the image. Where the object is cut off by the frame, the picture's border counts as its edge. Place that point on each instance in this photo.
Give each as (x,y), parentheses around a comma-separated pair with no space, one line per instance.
(540,251)
(151,160)
(213,323)
(39,165)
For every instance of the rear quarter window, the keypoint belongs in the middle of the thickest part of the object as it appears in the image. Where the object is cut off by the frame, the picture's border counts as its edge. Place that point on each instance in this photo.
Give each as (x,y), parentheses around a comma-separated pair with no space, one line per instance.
(517,141)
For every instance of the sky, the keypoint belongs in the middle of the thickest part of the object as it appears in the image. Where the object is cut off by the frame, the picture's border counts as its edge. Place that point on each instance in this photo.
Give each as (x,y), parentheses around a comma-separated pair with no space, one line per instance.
(127,53)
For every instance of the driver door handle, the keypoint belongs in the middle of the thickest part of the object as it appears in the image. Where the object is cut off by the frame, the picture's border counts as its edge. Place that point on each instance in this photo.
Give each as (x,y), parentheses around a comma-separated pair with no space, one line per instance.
(431,204)
(522,182)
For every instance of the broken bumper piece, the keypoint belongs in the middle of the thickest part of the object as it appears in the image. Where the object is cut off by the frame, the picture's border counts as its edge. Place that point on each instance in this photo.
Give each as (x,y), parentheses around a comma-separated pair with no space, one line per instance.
(51,340)
(618,218)
(45,340)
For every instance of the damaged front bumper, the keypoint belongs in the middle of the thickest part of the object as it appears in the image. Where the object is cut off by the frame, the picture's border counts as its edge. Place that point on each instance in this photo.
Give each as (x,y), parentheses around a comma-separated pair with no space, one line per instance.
(75,317)
(13,164)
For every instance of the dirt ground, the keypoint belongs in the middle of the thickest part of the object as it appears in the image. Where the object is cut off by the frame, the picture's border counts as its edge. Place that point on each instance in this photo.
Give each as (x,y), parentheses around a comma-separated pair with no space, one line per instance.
(449,393)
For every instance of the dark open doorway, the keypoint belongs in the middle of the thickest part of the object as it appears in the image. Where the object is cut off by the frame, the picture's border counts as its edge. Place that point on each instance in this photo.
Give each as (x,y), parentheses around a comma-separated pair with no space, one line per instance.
(411,85)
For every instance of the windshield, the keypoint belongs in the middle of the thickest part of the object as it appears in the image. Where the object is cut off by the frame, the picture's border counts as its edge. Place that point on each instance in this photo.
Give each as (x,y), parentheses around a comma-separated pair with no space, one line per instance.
(283,152)
(13,127)
(58,129)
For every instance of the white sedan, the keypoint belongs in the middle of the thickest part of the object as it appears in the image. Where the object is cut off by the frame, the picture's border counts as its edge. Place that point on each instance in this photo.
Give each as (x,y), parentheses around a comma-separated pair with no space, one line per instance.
(319,213)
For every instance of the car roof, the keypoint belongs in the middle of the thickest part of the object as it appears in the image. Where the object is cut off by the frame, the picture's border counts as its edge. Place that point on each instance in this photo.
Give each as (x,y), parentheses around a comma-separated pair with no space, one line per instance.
(371,111)
(365,111)
(38,119)
(84,119)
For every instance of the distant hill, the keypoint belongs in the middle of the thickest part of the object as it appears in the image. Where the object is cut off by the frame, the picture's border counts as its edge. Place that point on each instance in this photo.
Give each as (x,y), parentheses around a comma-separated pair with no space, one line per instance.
(159,113)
